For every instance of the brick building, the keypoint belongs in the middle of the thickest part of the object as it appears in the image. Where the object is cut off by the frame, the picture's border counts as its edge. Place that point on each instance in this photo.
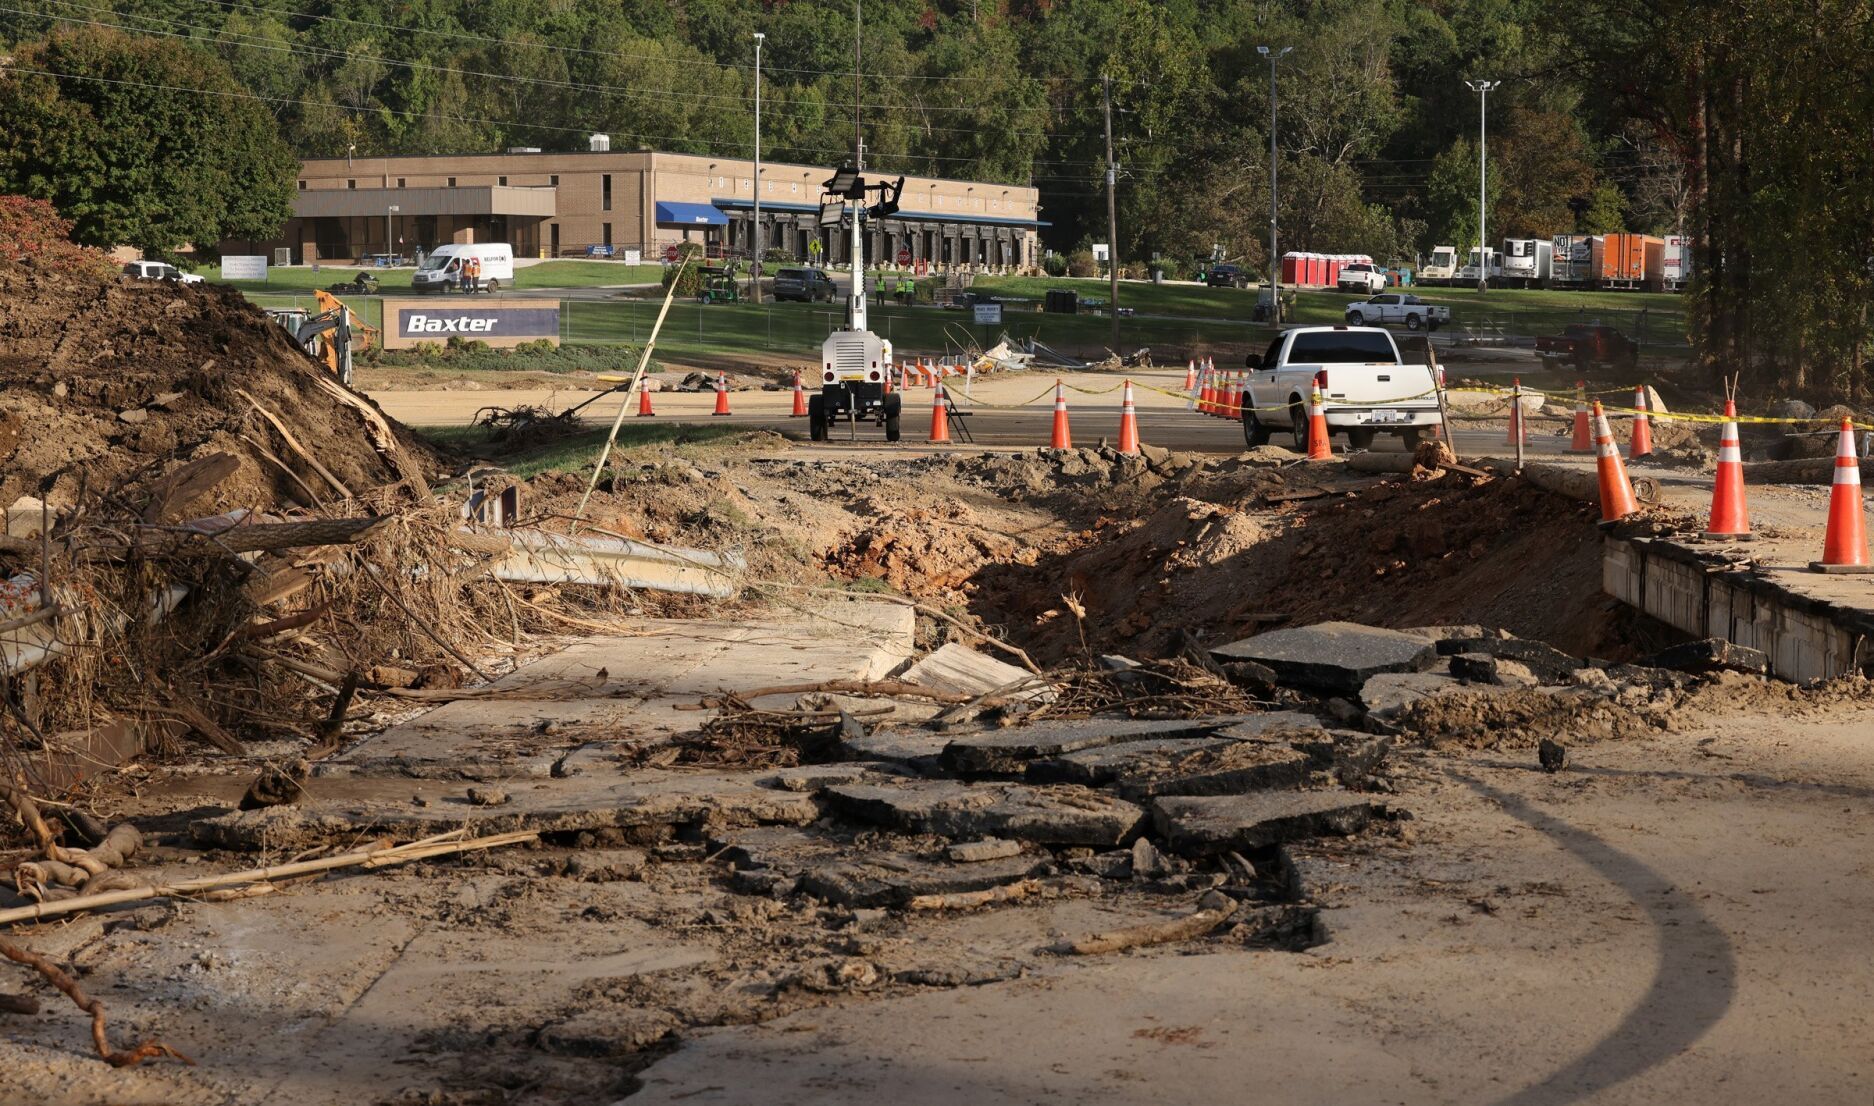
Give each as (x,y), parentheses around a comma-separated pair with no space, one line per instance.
(566,204)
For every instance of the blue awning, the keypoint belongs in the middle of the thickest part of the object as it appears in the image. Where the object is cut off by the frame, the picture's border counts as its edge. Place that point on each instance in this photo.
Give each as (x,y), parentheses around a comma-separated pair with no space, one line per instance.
(686,215)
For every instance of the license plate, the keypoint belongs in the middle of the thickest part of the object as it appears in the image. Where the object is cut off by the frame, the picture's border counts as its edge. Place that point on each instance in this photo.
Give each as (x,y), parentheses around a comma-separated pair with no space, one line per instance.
(1390,416)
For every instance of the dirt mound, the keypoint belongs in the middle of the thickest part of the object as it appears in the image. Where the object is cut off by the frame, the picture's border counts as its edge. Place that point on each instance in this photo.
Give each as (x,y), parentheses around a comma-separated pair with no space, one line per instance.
(1497,718)
(111,384)
(1495,552)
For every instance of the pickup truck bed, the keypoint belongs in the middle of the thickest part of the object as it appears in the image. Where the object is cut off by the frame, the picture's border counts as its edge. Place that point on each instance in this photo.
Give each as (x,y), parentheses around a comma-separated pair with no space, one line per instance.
(1369,390)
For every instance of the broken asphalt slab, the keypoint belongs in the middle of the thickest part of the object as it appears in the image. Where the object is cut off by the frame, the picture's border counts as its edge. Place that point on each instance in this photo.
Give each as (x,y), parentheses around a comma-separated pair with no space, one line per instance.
(1205,825)
(1063,815)
(1333,658)
(1007,752)
(652,802)
(1179,766)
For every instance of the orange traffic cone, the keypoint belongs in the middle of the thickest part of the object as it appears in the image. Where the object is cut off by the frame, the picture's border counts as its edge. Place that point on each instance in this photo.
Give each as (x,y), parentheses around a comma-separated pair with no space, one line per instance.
(722,395)
(1242,390)
(940,417)
(1232,397)
(1190,374)
(1584,434)
(1318,447)
(1207,395)
(1128,422)
(1642,443)
(1062,439)
(1844,546)
(1729,519)
(800,396)
(1617,500)
(1518,430)
(644,402)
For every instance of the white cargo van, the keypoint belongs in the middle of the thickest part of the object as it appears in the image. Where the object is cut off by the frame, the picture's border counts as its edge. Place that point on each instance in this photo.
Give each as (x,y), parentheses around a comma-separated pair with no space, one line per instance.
(442,271)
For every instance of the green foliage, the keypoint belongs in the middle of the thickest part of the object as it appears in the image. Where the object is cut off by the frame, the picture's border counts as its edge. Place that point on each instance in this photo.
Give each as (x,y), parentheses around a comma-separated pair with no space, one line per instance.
(687,274)
(130,160)
(537,356)
(1054,265)
(1080,263)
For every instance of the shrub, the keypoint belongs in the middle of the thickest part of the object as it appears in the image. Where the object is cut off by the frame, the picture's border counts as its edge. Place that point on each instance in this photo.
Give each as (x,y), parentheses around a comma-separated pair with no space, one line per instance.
(33,232)
(689,277)
(1080,263)
(1054,265)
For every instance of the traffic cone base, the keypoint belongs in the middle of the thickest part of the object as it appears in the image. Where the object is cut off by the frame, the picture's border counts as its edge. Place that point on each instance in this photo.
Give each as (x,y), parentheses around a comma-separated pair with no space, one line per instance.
(1844,544)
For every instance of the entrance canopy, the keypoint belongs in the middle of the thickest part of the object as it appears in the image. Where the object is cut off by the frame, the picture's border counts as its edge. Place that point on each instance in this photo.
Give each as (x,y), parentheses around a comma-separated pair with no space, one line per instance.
(670,213)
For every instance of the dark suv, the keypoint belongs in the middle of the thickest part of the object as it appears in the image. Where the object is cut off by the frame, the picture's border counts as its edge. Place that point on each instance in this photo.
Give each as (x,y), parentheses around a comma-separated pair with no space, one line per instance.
(805,285)
(1226,276)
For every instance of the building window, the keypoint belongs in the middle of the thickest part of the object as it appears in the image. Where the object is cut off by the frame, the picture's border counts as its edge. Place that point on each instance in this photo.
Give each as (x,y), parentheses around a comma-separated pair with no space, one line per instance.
(607,227)
(302,186)
(452,182)
(351,184)
(400,182)
(605,201)
(502,181)
(553,181)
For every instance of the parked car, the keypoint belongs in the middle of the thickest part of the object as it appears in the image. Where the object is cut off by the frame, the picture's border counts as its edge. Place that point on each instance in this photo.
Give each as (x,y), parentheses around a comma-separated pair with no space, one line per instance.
(1588,345)
(1367,388)
(159,270)
(1226,276)
(1397,308)
(1359,276)
(805,285)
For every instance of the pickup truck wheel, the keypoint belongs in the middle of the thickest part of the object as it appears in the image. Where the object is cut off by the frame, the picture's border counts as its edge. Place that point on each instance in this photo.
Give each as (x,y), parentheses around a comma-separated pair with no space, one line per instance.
(1413,322)
(1254,433)
(1360,439)
(1413,437)
(816,418)
(1354,318)
(1298,426)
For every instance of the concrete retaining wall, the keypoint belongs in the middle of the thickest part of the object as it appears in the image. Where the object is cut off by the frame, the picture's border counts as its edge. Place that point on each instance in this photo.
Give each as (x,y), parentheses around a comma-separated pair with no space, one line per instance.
(1805,638)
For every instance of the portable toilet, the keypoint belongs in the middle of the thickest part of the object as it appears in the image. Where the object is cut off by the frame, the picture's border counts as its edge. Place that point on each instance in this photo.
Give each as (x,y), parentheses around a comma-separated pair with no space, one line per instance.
(1292,266)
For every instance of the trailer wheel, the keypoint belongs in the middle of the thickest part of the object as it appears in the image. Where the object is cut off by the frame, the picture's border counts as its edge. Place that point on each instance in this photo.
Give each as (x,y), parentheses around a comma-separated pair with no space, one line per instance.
(894,406)
(816,418)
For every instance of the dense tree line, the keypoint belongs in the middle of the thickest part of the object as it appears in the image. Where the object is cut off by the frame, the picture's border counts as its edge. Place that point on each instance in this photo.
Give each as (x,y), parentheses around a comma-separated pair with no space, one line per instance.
(1741,123)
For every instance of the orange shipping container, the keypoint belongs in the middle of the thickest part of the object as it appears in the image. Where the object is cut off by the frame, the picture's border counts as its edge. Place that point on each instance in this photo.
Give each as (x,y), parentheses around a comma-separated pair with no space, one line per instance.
(1628,260)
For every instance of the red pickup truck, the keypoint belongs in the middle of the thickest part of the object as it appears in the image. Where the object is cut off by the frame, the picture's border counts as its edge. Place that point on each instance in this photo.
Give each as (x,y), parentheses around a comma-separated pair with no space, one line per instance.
(1586,345)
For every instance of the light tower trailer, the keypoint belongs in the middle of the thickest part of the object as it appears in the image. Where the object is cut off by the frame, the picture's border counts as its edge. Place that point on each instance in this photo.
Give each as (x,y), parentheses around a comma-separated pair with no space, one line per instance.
(855,364)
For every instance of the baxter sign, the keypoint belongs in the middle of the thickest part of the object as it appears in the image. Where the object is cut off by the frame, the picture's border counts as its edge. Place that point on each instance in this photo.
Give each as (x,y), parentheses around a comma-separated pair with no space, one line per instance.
(499,322)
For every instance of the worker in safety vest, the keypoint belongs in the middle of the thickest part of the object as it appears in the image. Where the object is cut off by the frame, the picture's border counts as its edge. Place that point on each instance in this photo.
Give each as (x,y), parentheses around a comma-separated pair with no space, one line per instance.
(907,291)
(472,275)
(879,289)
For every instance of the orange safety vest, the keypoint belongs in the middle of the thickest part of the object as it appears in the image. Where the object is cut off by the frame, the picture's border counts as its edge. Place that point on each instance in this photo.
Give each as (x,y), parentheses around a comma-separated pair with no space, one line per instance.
(473,268)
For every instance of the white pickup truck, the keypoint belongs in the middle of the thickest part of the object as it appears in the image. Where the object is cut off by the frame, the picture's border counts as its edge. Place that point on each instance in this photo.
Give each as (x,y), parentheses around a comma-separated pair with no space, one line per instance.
(1397,308)
(1368,388)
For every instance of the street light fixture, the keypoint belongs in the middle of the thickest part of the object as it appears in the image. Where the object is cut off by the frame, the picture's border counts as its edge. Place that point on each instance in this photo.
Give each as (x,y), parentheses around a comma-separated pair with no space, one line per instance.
(388,212)
(1482,89)
(1274,282)
(759,39)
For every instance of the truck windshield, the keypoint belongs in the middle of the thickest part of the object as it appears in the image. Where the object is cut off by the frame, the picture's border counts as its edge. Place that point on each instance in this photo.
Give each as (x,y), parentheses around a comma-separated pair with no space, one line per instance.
(436,261)
(1340,347)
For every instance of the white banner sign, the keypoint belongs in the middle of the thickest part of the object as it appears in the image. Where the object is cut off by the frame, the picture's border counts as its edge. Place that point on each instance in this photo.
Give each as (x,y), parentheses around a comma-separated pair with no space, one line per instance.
(244,267)
(988,314)
(634,257)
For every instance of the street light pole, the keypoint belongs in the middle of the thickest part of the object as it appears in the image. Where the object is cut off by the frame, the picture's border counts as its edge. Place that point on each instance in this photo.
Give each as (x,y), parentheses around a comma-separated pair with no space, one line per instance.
(1482,88)
(759,38)
(388,212)
(1112,216)
(1274,282)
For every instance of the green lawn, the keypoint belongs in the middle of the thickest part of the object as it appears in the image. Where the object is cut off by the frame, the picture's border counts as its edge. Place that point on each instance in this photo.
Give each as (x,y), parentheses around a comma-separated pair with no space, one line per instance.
(1658,318)
(545,274)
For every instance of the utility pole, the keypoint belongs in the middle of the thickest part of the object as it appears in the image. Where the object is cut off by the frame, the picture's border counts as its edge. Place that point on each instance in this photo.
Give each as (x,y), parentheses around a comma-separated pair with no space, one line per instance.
(1112,215)
(1482,88)
(759,37)
(1274,281)
(858,142)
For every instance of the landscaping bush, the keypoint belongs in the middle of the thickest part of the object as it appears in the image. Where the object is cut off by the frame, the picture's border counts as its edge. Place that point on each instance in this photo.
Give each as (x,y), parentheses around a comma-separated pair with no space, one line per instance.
(688,277)
(1054,265)
(1080,263)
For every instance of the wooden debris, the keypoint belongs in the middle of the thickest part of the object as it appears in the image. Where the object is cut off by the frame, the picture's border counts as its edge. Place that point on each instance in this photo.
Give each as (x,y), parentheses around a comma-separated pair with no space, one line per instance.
(1195,924)
(128,1058)
(966,900)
